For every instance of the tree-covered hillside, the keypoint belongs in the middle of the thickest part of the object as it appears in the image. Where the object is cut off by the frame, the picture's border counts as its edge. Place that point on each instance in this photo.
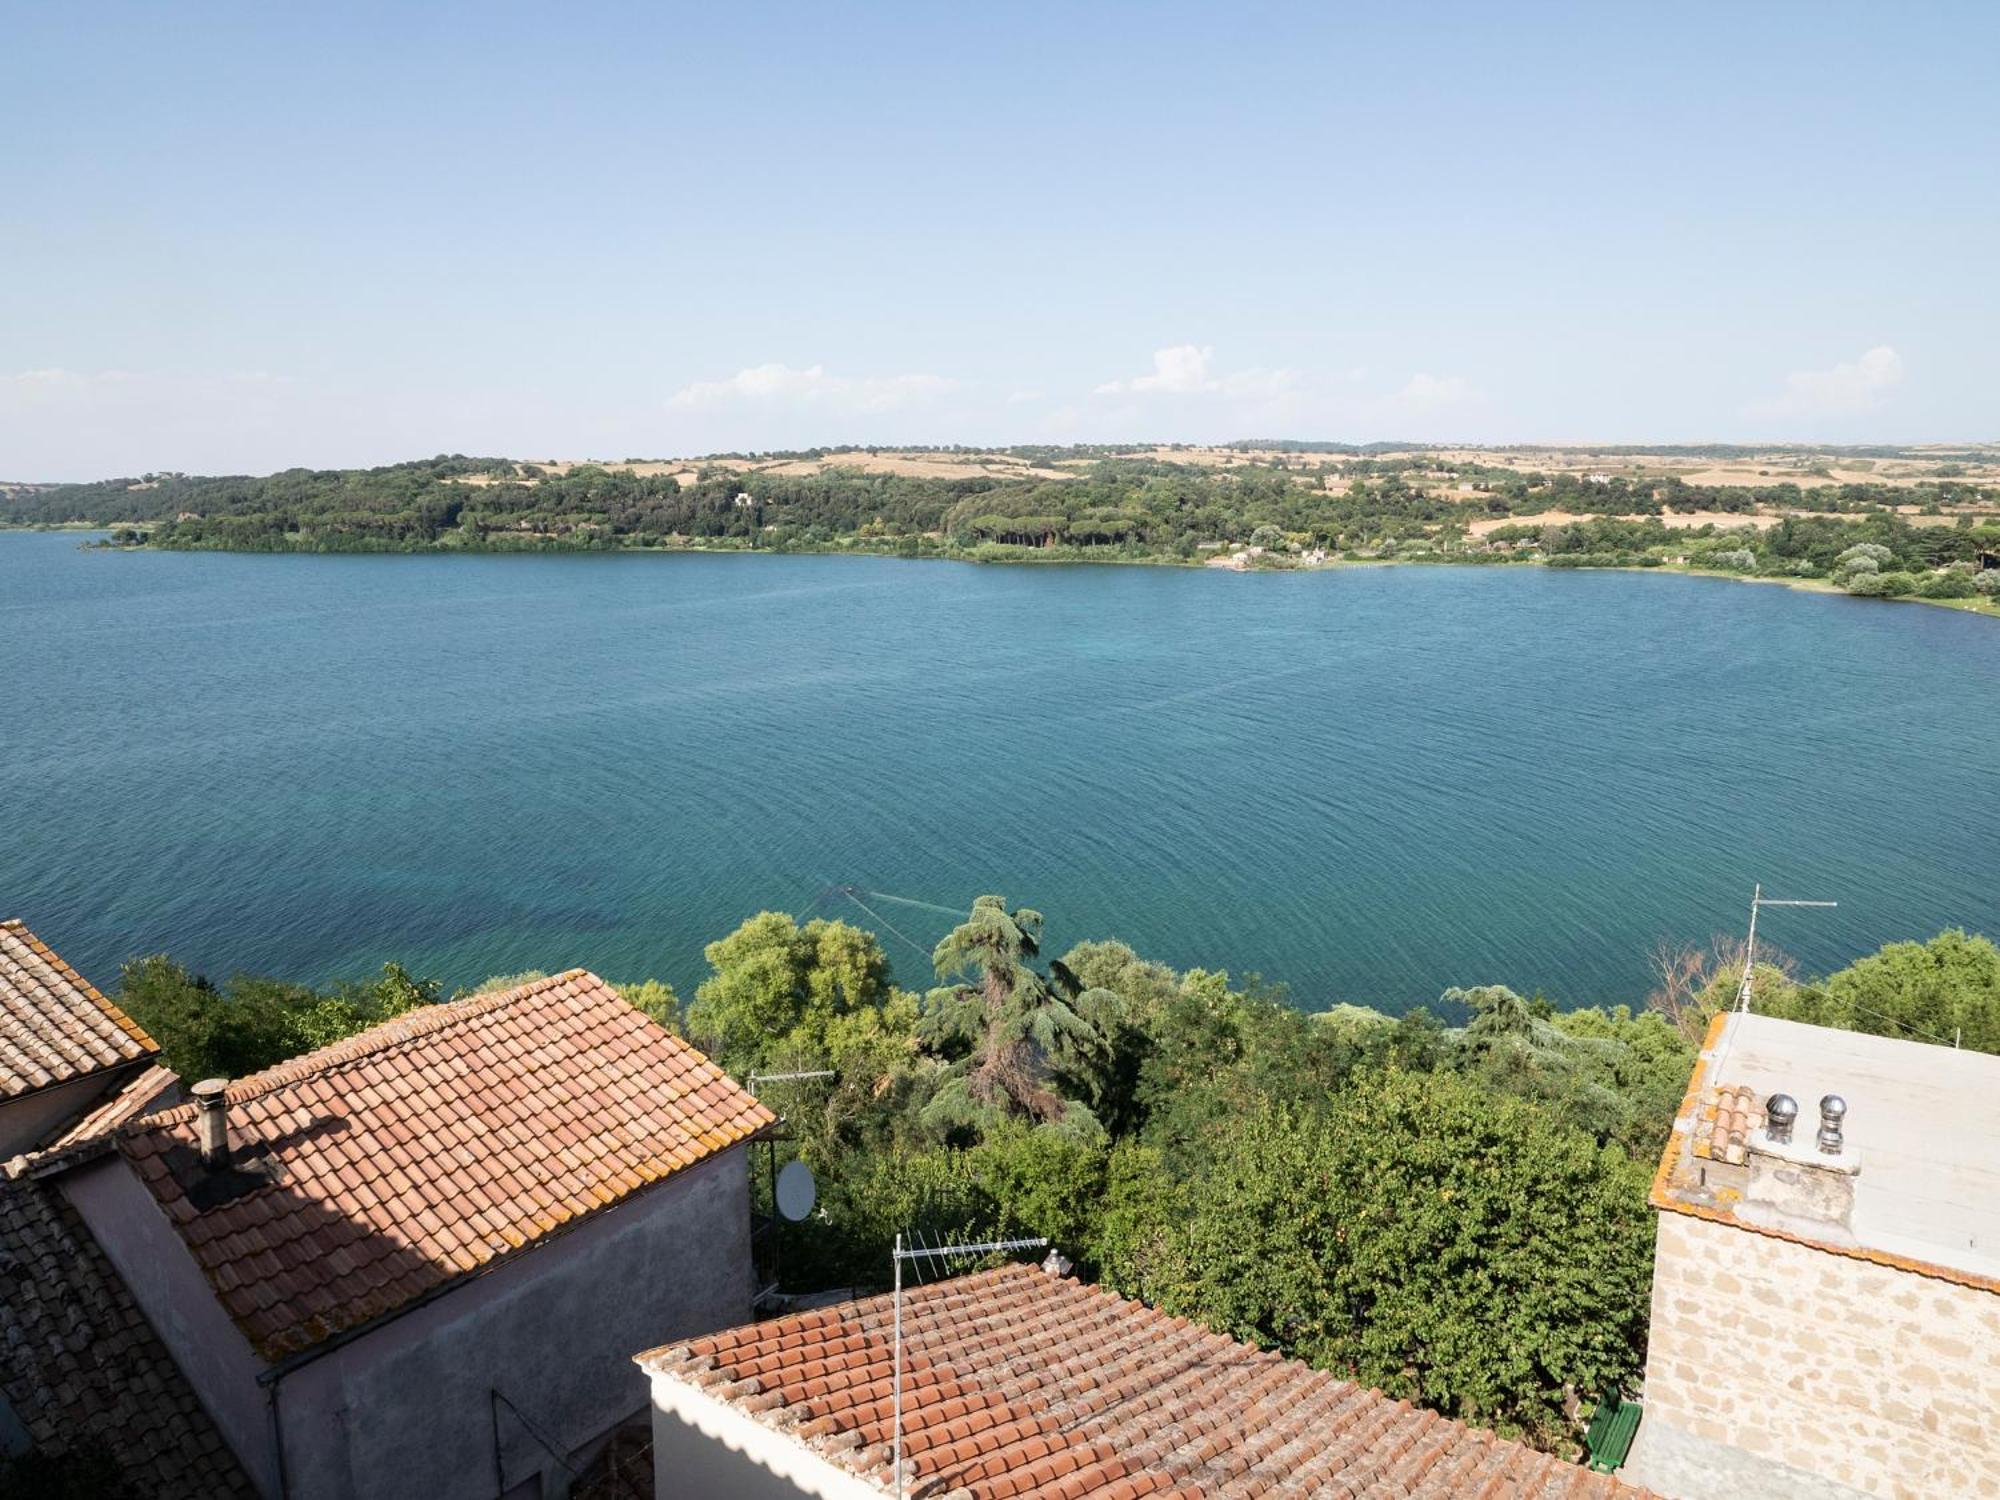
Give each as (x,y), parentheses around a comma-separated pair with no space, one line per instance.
(1293,503)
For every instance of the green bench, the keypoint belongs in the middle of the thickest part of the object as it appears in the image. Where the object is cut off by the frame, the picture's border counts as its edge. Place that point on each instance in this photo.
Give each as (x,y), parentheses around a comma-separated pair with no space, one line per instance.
(1609,1438)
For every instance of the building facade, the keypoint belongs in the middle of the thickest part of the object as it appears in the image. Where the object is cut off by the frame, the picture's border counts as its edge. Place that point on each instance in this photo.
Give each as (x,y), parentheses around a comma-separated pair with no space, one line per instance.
(415,1262)
(1826,1291)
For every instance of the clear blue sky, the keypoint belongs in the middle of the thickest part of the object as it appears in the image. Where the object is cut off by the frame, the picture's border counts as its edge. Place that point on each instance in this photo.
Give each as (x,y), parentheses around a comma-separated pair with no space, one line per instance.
(237,237)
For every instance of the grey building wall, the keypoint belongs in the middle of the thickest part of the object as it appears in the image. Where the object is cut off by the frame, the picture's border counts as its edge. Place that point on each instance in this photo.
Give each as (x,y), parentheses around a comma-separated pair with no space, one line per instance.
(409,1408)
(210,1350)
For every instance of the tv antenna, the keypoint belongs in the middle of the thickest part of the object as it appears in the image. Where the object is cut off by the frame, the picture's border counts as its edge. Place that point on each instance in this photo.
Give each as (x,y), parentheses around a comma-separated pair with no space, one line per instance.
(1759,900)
(899,1255)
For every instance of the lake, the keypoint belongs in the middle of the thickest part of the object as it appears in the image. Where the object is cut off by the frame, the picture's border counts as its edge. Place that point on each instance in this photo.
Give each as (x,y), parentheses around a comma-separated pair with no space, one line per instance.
(1369,784)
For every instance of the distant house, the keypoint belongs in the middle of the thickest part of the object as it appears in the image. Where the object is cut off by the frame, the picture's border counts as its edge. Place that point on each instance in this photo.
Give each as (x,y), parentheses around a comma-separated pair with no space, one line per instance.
(1019,1382)
(415,1262)
(1826,1294)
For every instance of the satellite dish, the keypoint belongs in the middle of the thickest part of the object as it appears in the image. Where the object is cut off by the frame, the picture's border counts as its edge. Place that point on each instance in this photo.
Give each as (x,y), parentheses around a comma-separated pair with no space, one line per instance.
(796,1192)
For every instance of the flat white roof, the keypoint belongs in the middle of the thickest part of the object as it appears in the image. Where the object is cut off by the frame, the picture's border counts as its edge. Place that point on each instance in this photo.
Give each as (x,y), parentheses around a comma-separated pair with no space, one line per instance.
(1925,1118)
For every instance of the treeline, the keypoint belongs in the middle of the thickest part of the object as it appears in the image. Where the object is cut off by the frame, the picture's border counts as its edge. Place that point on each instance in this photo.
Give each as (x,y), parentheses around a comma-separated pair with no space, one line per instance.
(1365,503)
(1882,555)
(1455,1213)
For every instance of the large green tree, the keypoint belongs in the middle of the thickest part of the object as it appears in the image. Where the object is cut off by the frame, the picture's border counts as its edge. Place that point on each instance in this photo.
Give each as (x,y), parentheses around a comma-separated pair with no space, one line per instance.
(1012,1041)
(1611,1073)
(1946,990)
(213,1031)
(777,986)
(1418,1234)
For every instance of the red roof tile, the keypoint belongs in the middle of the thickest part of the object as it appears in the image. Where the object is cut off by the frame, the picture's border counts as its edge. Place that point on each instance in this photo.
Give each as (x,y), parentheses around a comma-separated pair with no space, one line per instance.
(1018,1383)
(334,1222)
(53,1025)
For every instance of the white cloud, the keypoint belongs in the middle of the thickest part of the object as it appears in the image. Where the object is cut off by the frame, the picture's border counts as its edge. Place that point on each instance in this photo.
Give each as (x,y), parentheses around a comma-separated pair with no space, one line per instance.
(1429,391)
(1186,370)
(1181,368)
(1858,385)
(785,385)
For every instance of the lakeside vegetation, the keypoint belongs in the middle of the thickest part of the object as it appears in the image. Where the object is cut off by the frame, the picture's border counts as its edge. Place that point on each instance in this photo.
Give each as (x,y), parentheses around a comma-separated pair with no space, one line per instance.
(1279,505)
(1450,1207)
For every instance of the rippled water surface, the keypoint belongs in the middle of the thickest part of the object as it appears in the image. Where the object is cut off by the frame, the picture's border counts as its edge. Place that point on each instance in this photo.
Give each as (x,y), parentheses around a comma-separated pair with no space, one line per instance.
(1370,784)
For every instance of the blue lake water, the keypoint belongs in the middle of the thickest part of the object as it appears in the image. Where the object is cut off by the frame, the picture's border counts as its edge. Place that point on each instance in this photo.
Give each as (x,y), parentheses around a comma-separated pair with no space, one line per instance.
(1369,784)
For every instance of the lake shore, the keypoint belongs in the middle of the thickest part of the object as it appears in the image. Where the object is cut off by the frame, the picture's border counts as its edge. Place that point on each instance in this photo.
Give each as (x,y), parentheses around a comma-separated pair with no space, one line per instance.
(1028,557)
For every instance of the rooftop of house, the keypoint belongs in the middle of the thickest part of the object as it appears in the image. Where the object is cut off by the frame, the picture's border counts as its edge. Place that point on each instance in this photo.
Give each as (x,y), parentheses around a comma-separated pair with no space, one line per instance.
(53,1026)
(1021,1383)
(1916,1183)
(379,1169)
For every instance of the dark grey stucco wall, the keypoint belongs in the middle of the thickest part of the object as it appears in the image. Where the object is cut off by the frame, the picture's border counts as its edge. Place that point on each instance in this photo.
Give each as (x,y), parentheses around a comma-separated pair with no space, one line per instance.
(409,1408)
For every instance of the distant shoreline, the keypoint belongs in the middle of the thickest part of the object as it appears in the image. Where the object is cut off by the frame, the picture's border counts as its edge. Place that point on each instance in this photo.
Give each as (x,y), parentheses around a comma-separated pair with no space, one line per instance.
(1987,608)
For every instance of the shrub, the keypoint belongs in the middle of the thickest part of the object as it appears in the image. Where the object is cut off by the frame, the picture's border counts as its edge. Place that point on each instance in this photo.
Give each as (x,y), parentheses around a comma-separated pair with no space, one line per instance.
(1947,586)
(1732,560)
(1987,583)
(1882,585)
(1874,552)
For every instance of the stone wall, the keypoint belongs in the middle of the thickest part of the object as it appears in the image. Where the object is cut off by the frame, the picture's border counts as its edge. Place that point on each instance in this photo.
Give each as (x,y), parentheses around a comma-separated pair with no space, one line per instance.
(1884,1380)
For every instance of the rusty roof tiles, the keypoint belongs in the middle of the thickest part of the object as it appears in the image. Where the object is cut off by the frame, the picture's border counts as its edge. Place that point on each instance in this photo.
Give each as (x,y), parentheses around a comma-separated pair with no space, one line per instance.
(385,1166)
(54,1026)
(1019,1383)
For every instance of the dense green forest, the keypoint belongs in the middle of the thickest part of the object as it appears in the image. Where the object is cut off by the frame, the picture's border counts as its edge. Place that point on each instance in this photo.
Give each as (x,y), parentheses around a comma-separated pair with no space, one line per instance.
(1312,499)
(1450,1207)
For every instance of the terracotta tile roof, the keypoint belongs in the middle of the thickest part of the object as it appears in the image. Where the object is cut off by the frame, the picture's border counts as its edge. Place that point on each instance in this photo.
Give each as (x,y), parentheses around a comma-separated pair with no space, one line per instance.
(1724,1120)
(81,1367)
(378,1169)
(1017,1383)
(53,1025)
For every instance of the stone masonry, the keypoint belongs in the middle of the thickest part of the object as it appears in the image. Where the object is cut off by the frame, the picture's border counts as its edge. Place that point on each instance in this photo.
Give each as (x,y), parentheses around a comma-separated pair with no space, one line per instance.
(1873,1377)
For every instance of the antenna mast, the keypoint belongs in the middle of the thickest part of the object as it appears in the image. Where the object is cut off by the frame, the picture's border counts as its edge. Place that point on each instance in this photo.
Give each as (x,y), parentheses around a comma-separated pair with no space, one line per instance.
(1757,900)
(899,1255)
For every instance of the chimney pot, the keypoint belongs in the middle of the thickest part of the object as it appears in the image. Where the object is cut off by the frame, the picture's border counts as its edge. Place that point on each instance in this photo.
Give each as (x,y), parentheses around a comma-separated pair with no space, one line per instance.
(1832,1111)
(1780,1111)
(212,1123)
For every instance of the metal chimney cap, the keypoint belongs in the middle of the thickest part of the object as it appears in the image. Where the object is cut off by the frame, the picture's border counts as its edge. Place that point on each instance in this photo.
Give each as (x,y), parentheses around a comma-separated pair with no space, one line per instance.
(208,1093)
(1781,1109)
(1832,1107)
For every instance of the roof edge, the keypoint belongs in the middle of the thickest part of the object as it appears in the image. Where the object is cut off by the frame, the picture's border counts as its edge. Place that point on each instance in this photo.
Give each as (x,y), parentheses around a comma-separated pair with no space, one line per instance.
(57,962)
(1661,1197)
(422,1022)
